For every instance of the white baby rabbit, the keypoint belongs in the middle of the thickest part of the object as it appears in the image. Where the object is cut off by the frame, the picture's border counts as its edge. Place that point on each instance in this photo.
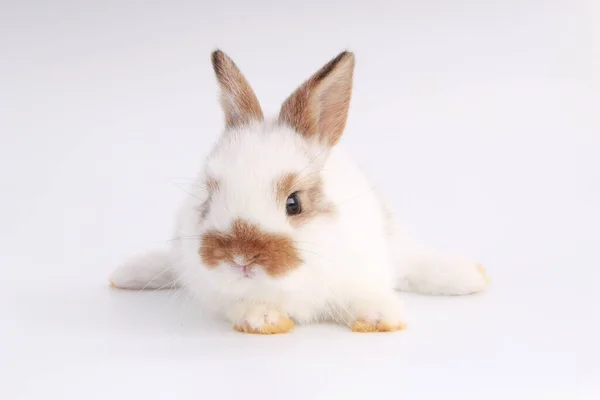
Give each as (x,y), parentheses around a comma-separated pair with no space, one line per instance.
(285,228)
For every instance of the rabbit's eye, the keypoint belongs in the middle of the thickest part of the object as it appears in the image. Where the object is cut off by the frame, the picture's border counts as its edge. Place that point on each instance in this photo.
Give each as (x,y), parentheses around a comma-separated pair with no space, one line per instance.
(292,204)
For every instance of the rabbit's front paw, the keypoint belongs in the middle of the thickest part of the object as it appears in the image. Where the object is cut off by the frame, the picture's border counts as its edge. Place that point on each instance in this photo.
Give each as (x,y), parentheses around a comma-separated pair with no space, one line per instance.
(262,320)
(377,326)
(381,315)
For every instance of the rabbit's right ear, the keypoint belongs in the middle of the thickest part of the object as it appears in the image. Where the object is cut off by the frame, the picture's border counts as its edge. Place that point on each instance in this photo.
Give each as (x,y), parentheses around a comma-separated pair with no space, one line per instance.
(318,109)
(238,100)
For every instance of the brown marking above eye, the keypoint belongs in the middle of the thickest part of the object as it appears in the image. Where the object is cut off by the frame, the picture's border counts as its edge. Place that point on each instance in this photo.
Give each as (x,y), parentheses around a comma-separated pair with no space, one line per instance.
(212,186)
(285,186)
(310,192)
(275,253)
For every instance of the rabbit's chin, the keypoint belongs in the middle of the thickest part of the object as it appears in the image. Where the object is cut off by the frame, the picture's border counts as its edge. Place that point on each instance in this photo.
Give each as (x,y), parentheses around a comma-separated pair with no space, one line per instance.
(231,282)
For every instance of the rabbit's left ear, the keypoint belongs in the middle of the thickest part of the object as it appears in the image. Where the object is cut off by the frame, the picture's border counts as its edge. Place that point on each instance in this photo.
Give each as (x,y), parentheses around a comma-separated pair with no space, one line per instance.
(238,100)
(318,109)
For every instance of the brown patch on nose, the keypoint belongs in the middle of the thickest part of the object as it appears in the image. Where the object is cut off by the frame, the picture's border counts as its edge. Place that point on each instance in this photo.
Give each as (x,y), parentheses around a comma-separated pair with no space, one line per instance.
(310,191)
(275,253)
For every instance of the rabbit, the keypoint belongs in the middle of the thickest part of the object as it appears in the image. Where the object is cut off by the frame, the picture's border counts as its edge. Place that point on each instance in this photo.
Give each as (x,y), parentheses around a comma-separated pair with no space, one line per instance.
(286,229)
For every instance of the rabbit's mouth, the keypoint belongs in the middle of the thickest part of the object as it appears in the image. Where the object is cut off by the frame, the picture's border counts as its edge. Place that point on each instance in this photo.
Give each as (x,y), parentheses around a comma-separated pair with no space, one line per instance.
(246,270)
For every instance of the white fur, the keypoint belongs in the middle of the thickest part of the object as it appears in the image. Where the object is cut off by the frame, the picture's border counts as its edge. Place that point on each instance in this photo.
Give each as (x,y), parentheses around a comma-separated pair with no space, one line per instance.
(152,270)
(353,260)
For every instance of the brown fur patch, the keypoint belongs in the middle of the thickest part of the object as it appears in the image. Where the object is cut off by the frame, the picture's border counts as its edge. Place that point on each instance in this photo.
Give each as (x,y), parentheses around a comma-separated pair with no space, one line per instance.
(212,185)
(284,325)
(319,107)
(275,253)
(310,192)
(284,187)
(483,273)
(238,100)
(380,326)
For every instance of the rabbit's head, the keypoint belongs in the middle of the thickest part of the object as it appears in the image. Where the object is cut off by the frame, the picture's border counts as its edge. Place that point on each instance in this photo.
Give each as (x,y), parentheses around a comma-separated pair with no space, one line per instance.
(263,178)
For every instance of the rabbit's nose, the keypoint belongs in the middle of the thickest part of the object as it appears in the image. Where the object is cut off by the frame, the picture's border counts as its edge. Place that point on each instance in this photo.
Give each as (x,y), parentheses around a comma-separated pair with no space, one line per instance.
(244,265)
(245,259)
(240,260)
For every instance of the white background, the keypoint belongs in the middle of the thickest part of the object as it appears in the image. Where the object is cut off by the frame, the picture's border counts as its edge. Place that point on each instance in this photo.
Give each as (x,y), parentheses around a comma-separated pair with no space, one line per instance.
(479,119)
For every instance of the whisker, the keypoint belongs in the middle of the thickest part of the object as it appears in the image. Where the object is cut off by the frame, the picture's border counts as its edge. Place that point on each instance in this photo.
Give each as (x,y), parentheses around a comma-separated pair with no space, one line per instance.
(355,197)
(183,237)
(333,317)
(178,292)
(352,317)
(187,298)
(314,159)
(191,194)
(152,280)
(173,282)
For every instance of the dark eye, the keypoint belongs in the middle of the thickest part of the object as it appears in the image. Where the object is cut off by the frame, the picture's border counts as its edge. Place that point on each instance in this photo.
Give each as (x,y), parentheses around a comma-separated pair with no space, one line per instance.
(292,204)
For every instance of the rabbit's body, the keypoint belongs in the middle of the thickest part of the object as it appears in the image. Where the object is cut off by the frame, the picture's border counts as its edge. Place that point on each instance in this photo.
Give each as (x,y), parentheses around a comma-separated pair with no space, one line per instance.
(282,223)
(345,253)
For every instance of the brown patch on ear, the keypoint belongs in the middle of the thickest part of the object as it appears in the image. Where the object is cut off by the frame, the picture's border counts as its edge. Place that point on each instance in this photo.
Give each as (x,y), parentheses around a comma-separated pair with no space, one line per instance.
(238,100)
(310,191)
(275,253)
(319,107)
